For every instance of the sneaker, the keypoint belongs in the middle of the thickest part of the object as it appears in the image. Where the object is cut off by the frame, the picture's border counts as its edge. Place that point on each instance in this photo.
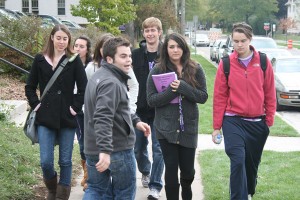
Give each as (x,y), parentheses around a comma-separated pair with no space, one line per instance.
(249,197)
(153,194)
(145,180)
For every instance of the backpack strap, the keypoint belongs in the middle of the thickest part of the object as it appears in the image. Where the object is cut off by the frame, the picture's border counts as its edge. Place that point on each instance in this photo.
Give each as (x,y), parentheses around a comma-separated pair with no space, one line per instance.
(263,61)
(226,66)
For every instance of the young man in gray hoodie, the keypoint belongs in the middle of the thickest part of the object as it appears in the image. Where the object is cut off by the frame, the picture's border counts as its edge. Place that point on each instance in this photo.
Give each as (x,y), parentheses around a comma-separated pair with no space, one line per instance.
(108,125)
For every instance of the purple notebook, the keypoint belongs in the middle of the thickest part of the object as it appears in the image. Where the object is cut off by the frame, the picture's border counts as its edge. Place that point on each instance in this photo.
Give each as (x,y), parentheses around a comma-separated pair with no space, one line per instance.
(162,81)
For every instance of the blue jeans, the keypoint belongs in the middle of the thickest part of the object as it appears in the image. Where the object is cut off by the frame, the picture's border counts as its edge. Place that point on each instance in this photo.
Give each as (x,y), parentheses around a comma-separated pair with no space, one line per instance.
(80,133)
(65,138)
(118,182)
(142,157)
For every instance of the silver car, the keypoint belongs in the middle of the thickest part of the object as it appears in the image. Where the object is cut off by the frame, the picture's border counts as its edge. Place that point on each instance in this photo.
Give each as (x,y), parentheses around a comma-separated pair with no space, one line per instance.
(287,81)
(274,53)
(213,49)
(220,51)
(200,40)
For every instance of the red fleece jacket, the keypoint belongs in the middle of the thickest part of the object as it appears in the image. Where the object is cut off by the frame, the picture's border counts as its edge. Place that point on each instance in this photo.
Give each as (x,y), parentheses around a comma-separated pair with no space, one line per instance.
(249,92)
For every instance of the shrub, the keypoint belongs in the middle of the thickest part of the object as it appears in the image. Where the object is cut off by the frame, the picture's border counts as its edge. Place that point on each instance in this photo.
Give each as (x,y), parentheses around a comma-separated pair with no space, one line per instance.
(28,35)
(25,34)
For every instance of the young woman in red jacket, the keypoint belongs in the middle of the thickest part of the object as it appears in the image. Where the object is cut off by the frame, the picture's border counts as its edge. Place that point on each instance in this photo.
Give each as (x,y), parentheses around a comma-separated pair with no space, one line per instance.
(244,106)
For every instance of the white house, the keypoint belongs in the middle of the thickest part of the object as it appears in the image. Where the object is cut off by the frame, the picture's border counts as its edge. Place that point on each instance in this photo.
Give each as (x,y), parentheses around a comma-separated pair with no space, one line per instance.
(293,12)
(57,8)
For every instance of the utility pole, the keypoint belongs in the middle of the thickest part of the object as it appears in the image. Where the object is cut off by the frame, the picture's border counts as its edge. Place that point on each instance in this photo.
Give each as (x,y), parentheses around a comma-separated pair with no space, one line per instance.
(176,7)
(182,19)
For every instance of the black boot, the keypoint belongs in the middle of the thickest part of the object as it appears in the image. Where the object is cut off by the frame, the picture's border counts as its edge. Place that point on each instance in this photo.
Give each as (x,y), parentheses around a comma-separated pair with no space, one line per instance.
(172,192)
(186,188)
(63,192)
(186,193)
(51,185)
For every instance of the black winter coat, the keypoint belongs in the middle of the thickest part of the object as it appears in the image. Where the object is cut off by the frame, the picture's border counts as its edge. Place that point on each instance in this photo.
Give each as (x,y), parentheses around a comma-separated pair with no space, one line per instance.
(54,111)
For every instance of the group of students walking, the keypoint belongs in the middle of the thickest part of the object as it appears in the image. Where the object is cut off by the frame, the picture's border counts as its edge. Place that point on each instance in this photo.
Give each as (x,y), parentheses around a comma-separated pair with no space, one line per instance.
(122,109)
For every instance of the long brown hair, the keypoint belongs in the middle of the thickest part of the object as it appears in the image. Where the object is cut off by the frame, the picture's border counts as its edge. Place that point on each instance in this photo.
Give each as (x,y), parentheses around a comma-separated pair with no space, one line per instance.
(49,47)
(97,55)
(188,65)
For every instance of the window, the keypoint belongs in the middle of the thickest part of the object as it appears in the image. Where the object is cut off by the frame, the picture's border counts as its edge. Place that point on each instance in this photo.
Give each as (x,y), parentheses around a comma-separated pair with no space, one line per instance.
(2,3)
(35,6)
(25,6)
(61,7)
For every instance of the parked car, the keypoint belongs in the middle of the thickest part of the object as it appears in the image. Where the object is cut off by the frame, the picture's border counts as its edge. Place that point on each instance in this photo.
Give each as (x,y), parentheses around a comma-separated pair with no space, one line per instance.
(287,81)
(200,40)
(213,49)
(258,42)
(71,24)
(16,15)
(274,53)
(4,13)
(228,46)
(47,23)
(50,18)
(220,49)
(20,13)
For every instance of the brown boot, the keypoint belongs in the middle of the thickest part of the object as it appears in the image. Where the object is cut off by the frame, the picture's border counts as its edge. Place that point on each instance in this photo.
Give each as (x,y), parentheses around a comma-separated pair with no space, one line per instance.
(85,187)
(51,185)
(63,192)
(85,174)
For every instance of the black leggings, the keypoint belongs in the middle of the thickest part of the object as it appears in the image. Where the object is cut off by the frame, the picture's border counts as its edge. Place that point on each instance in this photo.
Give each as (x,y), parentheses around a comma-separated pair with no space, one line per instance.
(178,156)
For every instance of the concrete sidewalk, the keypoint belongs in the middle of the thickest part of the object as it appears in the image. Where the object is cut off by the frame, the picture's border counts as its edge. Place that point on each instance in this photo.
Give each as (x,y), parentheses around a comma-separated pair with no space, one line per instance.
(280,144)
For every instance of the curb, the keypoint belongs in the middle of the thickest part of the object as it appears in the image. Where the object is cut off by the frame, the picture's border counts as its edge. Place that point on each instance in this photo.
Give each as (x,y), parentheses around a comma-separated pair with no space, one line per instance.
(15,110)
(286,121)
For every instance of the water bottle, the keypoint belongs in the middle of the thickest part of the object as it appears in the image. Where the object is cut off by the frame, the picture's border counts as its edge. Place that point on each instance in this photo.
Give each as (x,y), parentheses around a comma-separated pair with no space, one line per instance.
(218,138)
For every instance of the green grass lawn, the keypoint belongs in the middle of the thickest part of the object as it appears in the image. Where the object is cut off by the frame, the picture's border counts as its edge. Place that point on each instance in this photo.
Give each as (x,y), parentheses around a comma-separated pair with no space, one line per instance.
(19,163)
(286,37)
(280,128)
(278,176)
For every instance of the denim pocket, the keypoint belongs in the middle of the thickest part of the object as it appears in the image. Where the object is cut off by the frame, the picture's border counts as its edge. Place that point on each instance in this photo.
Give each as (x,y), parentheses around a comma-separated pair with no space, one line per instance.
(123,169)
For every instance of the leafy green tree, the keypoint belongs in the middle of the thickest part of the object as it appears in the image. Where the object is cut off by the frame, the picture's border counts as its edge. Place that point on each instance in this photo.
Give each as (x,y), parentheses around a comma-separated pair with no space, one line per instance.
(107,15)
(242,10)
(196,8)
(160,9)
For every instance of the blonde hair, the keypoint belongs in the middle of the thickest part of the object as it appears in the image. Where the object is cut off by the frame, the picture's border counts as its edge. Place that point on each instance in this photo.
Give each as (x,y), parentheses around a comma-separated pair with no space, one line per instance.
(152,21)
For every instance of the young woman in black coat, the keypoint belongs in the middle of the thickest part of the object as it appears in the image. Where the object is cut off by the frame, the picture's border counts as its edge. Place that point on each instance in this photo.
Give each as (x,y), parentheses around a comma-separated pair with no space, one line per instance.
(56,112)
